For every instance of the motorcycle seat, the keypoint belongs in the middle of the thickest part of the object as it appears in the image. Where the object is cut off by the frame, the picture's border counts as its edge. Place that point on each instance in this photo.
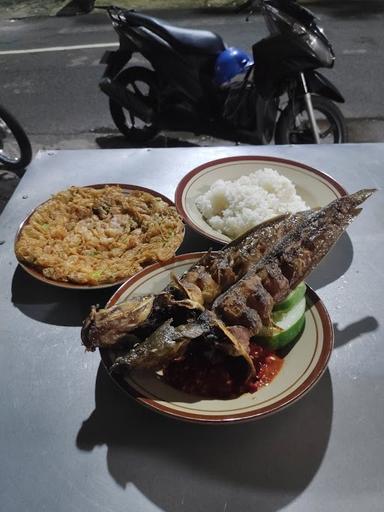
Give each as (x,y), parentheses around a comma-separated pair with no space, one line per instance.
(187,40)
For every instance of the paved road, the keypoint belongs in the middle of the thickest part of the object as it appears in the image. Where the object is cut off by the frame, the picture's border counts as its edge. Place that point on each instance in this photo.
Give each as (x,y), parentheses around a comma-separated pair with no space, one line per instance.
(55,94)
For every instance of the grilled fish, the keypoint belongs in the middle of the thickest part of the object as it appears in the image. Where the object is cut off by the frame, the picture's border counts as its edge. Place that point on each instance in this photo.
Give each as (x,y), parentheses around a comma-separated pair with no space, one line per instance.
(245,309)
(168,342)
(250,301)
(195,290)
(215,272)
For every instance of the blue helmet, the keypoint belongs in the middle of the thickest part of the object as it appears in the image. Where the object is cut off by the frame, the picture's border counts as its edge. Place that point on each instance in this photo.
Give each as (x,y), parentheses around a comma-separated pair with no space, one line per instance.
(230,63)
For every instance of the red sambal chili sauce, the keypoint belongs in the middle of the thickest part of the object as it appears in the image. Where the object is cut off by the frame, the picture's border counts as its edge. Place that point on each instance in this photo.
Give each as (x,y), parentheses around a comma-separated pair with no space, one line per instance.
(196,374)
(267,365)
(213,374)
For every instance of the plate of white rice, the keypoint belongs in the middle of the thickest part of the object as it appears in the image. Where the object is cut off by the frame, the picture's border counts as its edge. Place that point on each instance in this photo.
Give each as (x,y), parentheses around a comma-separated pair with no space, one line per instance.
(224,198)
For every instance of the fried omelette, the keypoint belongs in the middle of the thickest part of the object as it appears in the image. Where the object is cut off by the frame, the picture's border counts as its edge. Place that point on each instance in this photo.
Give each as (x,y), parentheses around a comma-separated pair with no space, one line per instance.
(95,236)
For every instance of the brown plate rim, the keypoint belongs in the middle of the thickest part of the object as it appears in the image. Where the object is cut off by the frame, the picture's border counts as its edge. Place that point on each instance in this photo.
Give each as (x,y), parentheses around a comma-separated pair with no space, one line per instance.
(73,286)
(310,381)
(183,182)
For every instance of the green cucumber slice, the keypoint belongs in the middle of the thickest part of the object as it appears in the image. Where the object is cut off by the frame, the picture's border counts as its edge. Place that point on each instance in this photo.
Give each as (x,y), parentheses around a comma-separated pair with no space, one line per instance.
(293,298)
(287,327)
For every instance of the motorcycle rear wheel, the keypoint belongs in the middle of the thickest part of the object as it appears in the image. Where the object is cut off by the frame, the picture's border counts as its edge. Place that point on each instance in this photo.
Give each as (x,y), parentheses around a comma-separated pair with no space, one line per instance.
(294,127)
(142,82)
(15,148)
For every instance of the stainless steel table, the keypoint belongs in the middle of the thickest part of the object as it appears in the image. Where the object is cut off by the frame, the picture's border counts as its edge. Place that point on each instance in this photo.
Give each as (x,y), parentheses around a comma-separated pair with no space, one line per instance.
(71,441)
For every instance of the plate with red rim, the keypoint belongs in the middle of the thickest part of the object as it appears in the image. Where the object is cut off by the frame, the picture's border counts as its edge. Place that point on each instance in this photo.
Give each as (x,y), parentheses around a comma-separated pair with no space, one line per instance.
(303,365)
(126,188)
(315,187)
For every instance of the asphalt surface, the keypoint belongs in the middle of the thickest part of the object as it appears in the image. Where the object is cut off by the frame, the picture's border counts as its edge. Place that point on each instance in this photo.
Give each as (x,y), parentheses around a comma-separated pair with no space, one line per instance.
(55,94)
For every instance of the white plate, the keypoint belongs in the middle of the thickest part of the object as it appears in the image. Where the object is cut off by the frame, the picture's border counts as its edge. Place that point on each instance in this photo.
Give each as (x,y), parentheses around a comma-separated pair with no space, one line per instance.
(302,368)
(75,286)
(315,187)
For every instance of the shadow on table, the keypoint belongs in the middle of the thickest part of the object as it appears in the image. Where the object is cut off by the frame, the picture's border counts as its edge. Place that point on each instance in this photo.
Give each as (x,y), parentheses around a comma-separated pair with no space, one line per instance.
(54,305)
(262,465)
(354,330)
(334,265)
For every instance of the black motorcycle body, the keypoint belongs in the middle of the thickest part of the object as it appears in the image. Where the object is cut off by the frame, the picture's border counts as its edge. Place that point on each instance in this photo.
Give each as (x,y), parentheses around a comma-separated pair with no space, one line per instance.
(181,93)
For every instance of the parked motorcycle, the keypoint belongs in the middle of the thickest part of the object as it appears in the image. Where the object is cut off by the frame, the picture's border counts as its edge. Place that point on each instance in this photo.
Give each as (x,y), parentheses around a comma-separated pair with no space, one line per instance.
(15,148)
(193,82)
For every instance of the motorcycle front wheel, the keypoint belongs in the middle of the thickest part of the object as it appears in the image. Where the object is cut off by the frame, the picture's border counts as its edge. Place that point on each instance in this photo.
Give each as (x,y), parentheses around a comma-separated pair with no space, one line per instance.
(142,83)
(15,148)
(294,127)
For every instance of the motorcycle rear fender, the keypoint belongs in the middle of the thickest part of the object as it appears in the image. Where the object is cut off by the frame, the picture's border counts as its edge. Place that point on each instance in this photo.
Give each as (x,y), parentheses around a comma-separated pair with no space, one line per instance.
(319,84)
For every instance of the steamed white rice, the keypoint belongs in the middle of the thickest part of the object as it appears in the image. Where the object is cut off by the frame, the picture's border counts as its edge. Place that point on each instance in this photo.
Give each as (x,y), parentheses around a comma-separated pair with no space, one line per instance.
(232,207)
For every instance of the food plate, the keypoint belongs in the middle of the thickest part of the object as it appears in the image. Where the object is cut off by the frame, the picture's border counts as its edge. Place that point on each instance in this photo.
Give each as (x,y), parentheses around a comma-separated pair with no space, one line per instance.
(38,275)
(315,187)
(302,368)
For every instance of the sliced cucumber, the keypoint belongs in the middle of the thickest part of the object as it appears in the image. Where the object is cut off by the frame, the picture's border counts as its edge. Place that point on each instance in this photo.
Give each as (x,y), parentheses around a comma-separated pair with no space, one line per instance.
(286,327)
(293,298)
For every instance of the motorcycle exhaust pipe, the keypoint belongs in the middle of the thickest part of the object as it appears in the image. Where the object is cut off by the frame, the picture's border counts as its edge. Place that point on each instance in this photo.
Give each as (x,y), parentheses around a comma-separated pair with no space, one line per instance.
(126,99)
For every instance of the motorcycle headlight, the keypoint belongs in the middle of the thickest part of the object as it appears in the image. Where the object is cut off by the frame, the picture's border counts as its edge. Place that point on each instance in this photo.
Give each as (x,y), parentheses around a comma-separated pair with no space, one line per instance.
(320,48)
(281,22)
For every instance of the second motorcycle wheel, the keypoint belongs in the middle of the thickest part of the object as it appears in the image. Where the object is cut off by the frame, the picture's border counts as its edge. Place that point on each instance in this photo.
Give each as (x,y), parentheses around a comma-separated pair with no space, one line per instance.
(15,148)
(142,83)
(294,127)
